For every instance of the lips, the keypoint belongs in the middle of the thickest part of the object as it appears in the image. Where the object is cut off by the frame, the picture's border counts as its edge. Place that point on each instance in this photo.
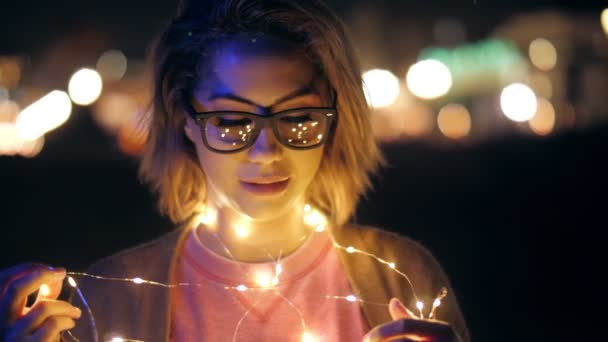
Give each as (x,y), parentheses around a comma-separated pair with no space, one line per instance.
(266,185)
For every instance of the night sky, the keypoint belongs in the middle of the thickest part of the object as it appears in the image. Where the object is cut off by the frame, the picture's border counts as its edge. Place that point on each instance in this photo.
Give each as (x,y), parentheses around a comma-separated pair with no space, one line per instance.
(517,221)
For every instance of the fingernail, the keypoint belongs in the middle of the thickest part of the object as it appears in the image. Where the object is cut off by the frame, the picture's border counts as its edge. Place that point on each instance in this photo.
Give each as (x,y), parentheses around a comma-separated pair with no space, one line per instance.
(77,311)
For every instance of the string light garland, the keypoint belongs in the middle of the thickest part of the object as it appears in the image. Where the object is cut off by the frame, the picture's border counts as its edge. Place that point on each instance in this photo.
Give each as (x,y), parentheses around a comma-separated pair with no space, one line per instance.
(264,281)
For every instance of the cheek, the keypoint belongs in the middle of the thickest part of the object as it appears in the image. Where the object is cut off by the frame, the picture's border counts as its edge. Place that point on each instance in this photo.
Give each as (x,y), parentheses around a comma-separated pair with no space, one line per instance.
(307,163)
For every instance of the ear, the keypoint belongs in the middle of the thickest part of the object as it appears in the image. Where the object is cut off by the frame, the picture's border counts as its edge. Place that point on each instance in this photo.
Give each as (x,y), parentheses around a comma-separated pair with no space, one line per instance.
(191,129)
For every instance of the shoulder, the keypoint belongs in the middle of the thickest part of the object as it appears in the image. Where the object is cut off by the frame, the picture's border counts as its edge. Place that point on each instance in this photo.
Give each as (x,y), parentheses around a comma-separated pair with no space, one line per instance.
(384,241)
(153,252)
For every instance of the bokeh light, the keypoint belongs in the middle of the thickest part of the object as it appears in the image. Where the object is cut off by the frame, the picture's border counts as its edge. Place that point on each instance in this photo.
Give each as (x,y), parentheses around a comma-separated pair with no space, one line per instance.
(112,65)
(381,87)
(44,115)
(604,20)
(454,121)
(309,337)
(543,121)
(518,102)
(85,86)
(429,79)
(543,54)
(12,144)
(114,110)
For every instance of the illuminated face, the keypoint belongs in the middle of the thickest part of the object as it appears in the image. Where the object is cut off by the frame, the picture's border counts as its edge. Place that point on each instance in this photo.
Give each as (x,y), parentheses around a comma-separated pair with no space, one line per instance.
(266,179)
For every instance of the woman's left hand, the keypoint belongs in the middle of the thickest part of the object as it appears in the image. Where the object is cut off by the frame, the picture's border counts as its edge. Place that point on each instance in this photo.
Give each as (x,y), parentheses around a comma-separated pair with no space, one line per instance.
(405,327)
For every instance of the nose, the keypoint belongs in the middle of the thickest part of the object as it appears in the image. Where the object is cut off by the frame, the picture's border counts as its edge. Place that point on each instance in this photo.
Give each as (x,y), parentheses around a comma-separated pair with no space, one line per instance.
(266,149)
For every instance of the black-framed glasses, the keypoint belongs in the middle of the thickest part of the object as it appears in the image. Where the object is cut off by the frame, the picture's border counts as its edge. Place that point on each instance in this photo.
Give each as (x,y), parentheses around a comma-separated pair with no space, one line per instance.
(233,131)
(298,128)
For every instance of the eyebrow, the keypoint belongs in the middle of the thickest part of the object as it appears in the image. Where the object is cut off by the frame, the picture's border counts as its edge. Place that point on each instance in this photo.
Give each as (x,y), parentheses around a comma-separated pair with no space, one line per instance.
(306,90)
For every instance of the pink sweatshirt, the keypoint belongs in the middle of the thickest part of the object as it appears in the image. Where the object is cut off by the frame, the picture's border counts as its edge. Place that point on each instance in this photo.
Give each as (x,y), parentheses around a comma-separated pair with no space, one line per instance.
(209,312)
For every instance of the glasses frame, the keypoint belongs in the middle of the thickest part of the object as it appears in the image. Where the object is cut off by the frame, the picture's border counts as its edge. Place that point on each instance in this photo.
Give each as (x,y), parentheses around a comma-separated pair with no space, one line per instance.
(264,121)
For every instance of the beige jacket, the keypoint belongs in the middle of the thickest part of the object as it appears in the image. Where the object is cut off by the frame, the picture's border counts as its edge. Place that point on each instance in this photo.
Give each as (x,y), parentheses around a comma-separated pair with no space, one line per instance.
(142,312)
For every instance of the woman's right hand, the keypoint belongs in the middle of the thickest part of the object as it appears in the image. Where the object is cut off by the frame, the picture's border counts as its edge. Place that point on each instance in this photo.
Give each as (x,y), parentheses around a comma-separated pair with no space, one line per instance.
(46,318)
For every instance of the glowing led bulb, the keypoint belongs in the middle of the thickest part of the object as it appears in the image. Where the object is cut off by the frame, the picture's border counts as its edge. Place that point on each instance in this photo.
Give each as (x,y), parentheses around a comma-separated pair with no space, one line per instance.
(44,291)
(350,249)
(241,288)
(436,303)
(307,208)
(241,231)
(308,337)
(263,279)
(72,282)
(351,298)
(117,339)
(137,280)
(320,228)
(391,265)
(419,305)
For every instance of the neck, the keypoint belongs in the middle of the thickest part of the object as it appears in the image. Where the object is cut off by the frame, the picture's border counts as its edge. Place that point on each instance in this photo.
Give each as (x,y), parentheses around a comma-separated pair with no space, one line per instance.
(252,240)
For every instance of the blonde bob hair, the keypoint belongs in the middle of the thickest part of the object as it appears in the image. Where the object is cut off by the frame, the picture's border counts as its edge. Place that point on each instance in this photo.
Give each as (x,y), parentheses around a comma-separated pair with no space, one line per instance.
(170,165)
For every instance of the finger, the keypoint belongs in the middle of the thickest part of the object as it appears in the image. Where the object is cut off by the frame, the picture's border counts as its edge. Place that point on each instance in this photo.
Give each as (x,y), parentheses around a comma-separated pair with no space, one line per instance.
(410,328)
(13,301)
(41,311)
(52,327)
(398,310)
(54,290)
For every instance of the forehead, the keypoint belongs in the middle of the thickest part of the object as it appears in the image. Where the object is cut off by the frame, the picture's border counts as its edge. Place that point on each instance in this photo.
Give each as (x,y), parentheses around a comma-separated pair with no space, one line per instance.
(244,65)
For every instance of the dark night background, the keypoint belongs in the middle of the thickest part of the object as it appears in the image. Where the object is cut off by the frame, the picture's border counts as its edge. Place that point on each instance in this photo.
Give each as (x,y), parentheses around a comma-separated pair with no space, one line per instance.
(517,221)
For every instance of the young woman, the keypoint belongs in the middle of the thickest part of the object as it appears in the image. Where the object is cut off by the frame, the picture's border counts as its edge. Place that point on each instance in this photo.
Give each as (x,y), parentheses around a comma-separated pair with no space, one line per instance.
(259,148)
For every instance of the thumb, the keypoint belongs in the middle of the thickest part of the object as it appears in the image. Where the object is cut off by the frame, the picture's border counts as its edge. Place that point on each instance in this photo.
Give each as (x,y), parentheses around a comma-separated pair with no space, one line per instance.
(398,310)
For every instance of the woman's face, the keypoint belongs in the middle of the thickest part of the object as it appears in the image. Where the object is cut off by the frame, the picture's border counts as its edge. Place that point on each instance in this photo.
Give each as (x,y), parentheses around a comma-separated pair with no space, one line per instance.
(266,179)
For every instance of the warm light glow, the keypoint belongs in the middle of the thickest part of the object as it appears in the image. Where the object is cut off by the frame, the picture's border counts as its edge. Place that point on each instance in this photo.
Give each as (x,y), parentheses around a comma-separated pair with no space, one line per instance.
(44,291)
(391,264)
(518,102)
(314,218)
(436,302)
(543,121)
(11,142)
(112,65)
(429,79)
(543,54)
(241,231)
(44,115)
(420,305)
(241,288)
(307,208)
(72,282)
(350,249)
(351,298)
(117,339)
(138,280)
(320,228)
(381,87)
(308,337)
(604,20)
(454,121)
(85,86)
(263,279)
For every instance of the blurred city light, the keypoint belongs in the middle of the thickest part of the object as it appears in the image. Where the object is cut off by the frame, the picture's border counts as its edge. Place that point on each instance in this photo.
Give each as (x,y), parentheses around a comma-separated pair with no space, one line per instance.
(112,65)
(543,121)
(11,143)
(381,87)
(543,54)
(85,86)
(429,79)
(518,102)
(114,110)
(44,115)
(454,121)
(604,20)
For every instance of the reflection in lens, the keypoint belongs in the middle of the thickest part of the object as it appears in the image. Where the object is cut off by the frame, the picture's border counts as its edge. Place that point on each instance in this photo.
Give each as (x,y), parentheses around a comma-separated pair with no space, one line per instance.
(228,131)
(302,129)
